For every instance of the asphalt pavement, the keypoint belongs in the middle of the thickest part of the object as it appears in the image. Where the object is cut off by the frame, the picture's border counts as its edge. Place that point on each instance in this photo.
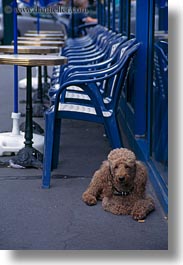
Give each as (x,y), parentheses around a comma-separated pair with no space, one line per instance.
(32,218)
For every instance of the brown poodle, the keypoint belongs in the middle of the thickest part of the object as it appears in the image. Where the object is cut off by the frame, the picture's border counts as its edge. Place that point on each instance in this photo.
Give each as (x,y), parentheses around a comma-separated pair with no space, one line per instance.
(120,184)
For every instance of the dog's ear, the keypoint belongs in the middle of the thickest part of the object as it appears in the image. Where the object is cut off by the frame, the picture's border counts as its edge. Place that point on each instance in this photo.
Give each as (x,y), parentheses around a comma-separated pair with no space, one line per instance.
(140,177)
(111,167)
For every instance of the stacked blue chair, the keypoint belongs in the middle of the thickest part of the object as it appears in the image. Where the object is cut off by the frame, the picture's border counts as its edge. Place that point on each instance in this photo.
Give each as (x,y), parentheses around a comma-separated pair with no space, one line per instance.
(95,62)
(97,110)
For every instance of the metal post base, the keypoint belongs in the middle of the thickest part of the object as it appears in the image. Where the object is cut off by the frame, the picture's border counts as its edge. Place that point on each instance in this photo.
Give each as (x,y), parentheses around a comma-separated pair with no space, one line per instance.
(28,157)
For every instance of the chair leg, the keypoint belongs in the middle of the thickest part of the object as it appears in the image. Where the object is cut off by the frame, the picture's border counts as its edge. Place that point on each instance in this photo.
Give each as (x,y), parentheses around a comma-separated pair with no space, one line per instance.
(112,130)
(48,149)
(56,144)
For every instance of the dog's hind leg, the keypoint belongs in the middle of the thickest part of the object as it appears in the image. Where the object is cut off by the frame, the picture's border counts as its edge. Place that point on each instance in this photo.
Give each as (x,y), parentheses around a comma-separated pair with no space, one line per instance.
(142,208)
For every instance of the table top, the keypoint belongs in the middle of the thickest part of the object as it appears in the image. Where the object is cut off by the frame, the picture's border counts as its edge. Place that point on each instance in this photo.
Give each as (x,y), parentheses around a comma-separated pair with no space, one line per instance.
(41,43)
(29,49)
(38,38)
(32,60)
(53,35)
(45,32)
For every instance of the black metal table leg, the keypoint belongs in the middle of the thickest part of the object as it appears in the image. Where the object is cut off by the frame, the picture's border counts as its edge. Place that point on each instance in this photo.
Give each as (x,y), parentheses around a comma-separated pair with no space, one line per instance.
(28,156)
(39,108)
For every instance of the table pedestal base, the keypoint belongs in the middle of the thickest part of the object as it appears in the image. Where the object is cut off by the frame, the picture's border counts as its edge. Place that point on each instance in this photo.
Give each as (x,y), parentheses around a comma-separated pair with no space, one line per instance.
(12,142)
(27,157)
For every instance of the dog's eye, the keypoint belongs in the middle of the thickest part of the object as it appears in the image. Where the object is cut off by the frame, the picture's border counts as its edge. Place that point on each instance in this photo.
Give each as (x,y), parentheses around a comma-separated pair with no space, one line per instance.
(127,167)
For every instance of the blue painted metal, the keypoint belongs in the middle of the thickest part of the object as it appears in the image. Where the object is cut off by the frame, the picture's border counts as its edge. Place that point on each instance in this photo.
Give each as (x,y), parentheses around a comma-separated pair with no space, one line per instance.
(15,52)
(88,81)
(142,35)
(128,5)
(104,17)
(121,16)
(113,15)
(160,100)
(99,12)
(109,14)
(150,74)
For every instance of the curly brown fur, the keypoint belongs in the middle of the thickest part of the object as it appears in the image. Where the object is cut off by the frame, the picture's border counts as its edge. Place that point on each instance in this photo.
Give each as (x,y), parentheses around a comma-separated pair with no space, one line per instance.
(120,183)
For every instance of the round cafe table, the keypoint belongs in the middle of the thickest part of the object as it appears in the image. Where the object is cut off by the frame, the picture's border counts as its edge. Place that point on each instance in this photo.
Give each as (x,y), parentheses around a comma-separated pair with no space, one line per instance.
(45,31)
(28,156)
(41,43)
(29,49)
(38,38)
(49,35)
(39,109)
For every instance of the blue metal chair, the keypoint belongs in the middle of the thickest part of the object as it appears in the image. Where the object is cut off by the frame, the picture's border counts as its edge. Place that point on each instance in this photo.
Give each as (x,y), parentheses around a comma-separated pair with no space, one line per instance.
(97,111)
(92,55)
(98,48)
(86,41)
(111,57)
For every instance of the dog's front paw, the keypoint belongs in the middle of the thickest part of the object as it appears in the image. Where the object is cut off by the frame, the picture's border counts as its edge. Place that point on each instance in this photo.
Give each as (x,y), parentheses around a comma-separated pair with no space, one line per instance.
(89,199)
(105,202)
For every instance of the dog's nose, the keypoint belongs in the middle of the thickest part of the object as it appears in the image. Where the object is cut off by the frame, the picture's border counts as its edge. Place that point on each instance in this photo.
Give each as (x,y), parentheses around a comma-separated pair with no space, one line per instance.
(121,179)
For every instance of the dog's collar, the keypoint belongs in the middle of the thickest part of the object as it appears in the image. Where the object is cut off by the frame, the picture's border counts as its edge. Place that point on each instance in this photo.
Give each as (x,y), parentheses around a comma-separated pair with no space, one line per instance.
(122,193)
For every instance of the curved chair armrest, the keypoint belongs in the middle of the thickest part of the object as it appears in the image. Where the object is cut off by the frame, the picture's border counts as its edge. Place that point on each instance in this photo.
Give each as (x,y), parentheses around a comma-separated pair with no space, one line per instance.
(84,68)
(86,61)
(81,56)
(84,51)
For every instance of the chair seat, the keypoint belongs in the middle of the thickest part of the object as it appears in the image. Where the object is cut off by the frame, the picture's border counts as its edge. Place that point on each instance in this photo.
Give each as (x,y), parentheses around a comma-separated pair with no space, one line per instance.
(79,96)
(82,109)
(74,88)
(82,96)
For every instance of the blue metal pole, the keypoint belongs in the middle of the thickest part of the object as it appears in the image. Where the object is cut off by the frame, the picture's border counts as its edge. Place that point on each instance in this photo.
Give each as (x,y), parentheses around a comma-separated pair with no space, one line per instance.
(15,27)
(38,23)
(113,15)
(38,19)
